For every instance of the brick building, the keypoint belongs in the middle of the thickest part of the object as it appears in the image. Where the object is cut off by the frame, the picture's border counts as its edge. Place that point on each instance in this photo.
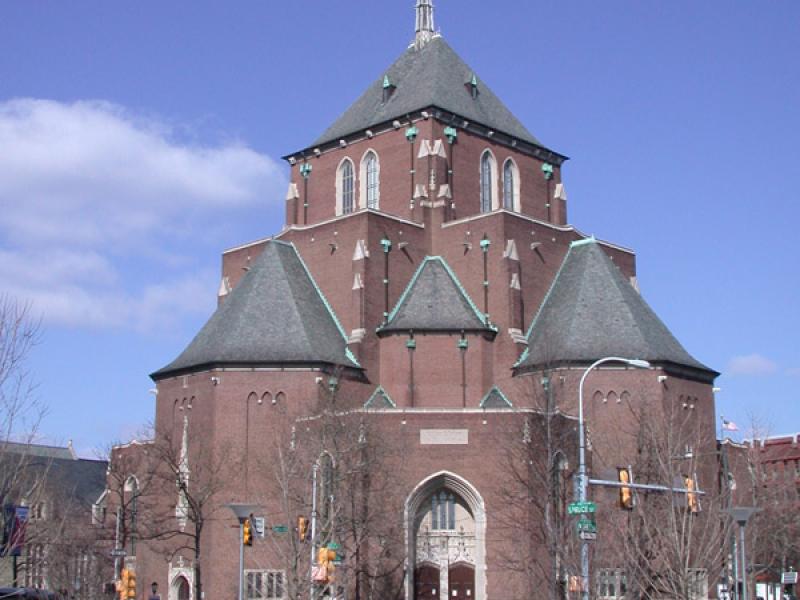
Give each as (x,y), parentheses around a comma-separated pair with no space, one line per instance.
(428,283)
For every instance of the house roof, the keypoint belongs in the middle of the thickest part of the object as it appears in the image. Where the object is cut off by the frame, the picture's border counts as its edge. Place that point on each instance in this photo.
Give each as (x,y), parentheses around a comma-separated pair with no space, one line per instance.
(592,311)
(433,75)
(275,315)
(435,301)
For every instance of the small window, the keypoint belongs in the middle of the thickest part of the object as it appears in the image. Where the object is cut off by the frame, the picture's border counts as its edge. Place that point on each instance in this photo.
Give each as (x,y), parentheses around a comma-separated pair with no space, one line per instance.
(510,186)
(487,182)
(346,188)
(443,511)
(370,176)
(264,585)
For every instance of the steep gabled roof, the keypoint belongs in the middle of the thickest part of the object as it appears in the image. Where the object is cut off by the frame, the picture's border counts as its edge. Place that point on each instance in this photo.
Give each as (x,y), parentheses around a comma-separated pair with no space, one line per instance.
(435,301)
(433,75)
(592,311)
(276,315)
(494,398)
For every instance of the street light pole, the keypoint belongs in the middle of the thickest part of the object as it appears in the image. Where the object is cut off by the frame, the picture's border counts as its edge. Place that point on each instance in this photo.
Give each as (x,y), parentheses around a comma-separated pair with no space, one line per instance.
(583,487)
(242,512)
(742,514)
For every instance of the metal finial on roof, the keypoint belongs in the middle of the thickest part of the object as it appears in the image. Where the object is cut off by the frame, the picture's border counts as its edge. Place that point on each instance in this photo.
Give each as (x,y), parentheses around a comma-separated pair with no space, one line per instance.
(425,28)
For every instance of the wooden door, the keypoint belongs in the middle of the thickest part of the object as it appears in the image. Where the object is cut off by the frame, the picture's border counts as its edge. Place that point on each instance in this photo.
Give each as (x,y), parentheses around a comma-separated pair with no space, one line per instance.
(461,582)
(426,583)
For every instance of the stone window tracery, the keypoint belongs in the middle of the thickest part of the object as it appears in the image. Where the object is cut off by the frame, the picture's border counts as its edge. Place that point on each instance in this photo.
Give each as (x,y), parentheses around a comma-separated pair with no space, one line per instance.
(488,170)
(345,184)
(370,180)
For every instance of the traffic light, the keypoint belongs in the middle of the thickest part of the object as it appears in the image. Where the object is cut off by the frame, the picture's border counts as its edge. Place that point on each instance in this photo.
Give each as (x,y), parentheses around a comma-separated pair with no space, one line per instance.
(122,584)
(625,491)
(692,502)
(247,532)
(302,528)
(130,589)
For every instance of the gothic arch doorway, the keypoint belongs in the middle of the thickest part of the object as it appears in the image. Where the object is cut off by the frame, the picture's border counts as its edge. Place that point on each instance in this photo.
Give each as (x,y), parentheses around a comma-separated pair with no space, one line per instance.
(445,520)
(180,589)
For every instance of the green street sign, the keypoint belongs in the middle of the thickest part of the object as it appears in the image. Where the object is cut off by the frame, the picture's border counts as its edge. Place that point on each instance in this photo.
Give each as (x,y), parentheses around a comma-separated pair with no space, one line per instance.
(279,529)
(577,508)
(333,546)
(587,525)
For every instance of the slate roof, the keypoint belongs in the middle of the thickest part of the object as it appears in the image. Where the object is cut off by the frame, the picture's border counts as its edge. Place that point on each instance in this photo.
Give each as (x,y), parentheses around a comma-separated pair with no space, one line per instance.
(592,311)
(494,398)
(275,315)
(380,399)
(435,301)
(74,478)
(433,75)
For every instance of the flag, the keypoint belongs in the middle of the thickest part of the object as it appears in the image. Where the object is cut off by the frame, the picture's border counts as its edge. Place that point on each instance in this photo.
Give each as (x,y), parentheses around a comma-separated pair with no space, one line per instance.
(729,425)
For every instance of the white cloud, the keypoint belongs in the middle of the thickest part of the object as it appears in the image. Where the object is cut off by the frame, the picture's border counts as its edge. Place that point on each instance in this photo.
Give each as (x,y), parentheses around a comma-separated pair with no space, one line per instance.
(99,207)
(751,364)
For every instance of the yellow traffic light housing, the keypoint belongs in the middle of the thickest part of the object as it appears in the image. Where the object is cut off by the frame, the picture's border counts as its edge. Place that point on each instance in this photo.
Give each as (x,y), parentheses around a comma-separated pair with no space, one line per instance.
(247,533)
(302,528)
(625,491)
(692,502)
(130,588)
(122,584)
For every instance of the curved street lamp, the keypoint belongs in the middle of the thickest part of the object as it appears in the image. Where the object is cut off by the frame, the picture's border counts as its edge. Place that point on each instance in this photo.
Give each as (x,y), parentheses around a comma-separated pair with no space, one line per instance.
(583,480)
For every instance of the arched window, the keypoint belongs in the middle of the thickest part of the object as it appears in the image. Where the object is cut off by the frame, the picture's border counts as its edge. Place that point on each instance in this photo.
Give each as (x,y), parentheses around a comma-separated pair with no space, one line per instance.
(510,186)
(487,181)
(443,511)
(370,180)
(346,188)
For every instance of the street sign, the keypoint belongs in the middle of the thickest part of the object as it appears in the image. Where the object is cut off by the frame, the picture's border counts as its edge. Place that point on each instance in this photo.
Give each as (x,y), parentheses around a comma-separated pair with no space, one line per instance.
(577,508)
(587,525)
(588,535)
(789,578)
(279,529)
(333,546)
(119,553)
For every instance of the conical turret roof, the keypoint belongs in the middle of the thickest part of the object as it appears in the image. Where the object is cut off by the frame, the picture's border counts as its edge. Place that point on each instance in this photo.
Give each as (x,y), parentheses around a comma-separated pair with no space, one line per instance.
(276,315)
(432,75)
(592,311)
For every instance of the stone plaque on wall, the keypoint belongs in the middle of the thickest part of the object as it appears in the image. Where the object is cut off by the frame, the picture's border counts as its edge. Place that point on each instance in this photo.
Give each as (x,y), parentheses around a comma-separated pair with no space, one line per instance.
(432,437)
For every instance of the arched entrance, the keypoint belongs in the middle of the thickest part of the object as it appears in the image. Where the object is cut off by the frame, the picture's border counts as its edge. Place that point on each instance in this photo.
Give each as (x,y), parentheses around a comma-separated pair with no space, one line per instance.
(445,538)
(181,589)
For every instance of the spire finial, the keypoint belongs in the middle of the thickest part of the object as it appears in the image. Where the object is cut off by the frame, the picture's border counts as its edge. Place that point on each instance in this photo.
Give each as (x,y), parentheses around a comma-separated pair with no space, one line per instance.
(425,28)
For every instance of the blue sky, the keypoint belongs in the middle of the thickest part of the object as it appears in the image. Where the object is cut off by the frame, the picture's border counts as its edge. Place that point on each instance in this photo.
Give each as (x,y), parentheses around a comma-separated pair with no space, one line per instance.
(138,140)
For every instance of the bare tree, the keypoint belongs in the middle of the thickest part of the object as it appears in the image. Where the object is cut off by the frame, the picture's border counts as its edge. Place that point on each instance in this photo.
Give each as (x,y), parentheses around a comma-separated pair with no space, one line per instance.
(194,478)
(539,467)
(672,540)
(341,445)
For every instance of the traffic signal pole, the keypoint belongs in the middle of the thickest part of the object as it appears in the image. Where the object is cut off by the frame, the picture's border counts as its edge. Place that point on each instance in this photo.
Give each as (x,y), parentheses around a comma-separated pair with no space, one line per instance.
(314,470)
(241,559)
(583,486)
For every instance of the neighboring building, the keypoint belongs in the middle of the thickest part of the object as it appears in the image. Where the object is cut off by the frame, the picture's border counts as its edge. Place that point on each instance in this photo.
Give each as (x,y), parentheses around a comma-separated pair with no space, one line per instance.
(58,490)
(428,286)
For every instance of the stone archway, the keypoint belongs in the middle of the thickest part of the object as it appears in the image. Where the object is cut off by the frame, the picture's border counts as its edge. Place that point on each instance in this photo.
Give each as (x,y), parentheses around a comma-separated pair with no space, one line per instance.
(445,526)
